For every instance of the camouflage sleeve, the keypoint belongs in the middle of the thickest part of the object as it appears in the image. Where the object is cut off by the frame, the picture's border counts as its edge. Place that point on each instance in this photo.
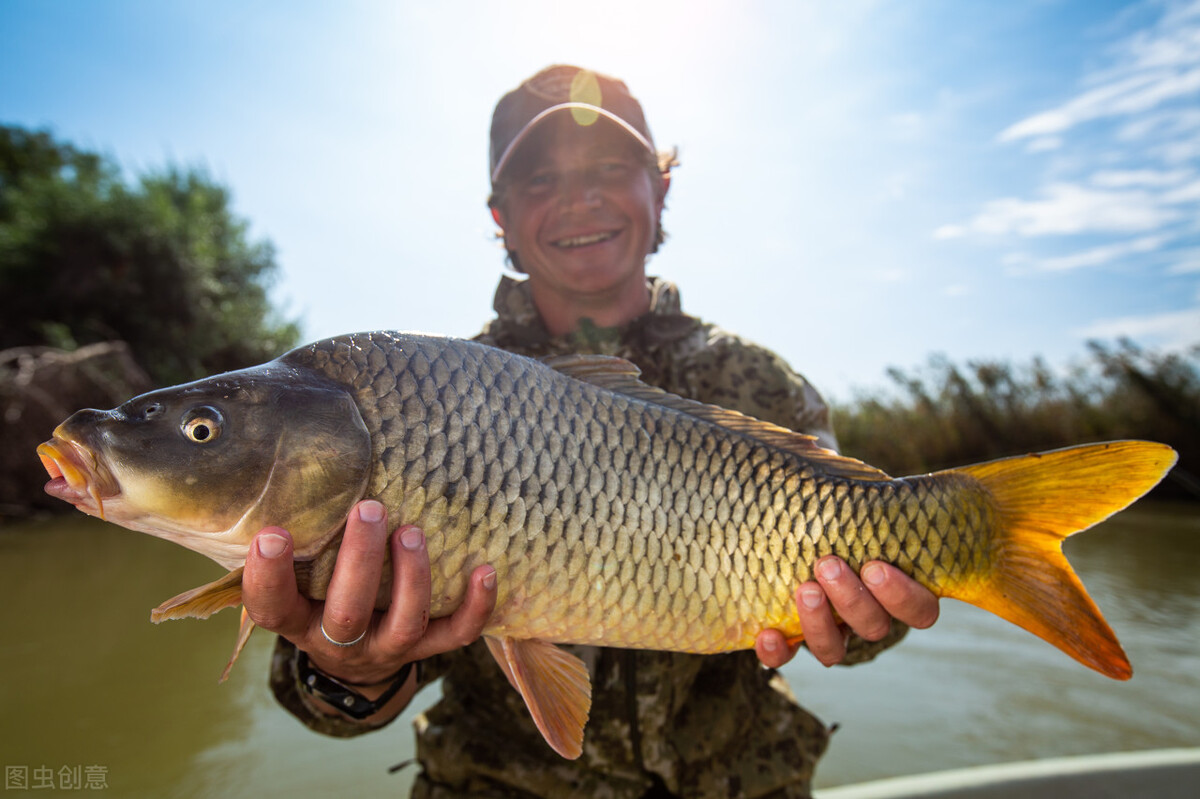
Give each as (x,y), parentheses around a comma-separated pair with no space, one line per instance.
(723,369)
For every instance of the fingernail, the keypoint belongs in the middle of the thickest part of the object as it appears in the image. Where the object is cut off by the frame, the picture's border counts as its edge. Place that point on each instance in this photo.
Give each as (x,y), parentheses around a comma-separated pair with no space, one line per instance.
(271,545)
(873,574)
(830,569)
(489,580)
(412,538)
(812,597)
(370,511)
(769,644)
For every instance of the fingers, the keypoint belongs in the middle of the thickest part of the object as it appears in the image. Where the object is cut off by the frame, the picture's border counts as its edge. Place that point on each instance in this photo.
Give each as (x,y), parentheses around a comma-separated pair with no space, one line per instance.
(467,623)
(900,595)
(825,638)
(851,600)
(773,650)
(350,598)
(381,642)
(269,585)
(408,614)
(406,630)
(349,608)
(865,606)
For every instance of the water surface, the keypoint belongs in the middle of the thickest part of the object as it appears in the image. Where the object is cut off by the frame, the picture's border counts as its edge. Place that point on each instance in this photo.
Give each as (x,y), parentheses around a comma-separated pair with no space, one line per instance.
(89,681)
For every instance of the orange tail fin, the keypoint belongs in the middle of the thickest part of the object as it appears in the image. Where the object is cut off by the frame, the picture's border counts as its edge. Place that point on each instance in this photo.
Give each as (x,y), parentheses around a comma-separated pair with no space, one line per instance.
(1040,500)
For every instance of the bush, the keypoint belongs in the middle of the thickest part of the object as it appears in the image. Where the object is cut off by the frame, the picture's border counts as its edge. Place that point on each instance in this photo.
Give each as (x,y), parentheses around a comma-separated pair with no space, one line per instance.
(944,415)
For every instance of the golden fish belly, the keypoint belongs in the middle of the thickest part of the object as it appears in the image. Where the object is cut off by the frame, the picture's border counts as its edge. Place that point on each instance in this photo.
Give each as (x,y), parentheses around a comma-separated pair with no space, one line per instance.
(612,520)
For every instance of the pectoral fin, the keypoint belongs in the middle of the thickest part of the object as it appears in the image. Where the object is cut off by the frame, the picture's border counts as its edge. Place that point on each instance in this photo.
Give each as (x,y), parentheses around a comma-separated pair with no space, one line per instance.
(202,602)
(244,631)
(555,686)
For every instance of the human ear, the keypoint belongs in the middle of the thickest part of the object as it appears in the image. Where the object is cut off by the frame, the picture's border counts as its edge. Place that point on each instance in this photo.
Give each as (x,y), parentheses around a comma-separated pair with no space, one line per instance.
(498,218)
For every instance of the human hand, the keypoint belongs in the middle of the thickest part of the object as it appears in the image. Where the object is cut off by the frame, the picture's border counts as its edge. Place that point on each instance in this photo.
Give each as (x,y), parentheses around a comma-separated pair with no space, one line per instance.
(865,606)
(398,635)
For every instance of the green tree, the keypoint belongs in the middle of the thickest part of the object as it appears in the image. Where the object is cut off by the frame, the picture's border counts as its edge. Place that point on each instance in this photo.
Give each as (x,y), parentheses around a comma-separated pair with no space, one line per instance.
(163,264)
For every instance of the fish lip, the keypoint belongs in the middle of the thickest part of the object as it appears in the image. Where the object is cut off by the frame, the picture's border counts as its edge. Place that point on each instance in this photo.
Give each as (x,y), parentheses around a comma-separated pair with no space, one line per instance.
(76,475)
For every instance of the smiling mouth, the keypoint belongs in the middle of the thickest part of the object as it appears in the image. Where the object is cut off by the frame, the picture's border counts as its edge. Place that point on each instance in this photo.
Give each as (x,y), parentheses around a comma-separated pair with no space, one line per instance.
(583,241)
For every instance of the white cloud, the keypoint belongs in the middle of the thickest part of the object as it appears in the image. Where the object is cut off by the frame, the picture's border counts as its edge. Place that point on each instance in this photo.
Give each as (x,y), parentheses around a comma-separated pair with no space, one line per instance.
(1098,256)
(1176,39)
(1154,68)
(1131,95)
(1044,144)
(950,232)
(1135,172)
(1189,193)
(1177,151)
(1179,121)
(1172,137)
(1171,330)
(1122,178)
(1185,262)
(1068,208)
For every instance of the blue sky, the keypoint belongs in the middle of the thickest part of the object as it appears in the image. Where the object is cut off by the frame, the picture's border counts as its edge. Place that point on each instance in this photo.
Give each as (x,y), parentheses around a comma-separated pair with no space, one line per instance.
(863,182)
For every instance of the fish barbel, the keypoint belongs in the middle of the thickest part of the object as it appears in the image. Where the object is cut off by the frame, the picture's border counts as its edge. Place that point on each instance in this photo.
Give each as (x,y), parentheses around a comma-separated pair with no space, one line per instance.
(615,514)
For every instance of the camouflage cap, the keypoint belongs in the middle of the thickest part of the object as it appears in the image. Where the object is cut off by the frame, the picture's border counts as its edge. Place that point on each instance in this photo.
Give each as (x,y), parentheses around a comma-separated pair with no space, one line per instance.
(587,95)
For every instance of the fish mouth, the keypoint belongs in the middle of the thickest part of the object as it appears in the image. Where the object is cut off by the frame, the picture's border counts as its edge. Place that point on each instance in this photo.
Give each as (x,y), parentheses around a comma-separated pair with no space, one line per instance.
(76,474)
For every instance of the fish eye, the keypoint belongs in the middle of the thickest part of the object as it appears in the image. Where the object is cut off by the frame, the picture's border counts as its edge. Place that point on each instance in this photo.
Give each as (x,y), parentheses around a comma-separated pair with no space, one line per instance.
(203,425)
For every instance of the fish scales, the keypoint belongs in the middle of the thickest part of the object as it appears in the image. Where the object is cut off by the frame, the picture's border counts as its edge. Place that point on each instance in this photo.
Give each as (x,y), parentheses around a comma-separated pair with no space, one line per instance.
(612,520)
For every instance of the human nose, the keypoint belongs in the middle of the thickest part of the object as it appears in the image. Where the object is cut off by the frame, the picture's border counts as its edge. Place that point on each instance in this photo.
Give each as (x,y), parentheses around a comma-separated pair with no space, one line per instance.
(580,188)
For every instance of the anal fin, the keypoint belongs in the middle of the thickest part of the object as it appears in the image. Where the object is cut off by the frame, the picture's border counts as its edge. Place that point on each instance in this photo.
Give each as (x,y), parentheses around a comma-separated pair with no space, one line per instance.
(204,601)
(555,686)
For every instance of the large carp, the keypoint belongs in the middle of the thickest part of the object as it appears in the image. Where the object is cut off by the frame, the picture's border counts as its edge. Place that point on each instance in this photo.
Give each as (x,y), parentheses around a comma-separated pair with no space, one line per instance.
(614,513)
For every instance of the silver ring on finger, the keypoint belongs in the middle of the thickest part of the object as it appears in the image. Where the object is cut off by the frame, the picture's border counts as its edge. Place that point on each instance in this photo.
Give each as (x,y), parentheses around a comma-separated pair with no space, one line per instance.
(342,644)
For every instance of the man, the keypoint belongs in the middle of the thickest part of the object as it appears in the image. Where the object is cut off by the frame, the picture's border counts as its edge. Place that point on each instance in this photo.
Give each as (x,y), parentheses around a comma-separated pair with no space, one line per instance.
(578,192)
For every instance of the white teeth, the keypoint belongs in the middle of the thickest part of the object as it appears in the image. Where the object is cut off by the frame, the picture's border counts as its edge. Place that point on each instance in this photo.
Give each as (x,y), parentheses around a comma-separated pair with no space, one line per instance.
(580,241)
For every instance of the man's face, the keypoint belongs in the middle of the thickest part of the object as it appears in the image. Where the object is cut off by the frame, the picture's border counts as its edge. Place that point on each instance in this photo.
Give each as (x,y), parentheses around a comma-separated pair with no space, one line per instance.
(581,208)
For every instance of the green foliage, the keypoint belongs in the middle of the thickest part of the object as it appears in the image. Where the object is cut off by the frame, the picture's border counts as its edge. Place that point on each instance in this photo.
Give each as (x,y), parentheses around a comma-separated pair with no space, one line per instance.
(945,416)
(163,265)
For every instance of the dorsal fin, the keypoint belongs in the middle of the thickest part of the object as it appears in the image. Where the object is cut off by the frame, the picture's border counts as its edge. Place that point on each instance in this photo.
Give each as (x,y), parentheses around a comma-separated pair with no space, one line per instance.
(621,376)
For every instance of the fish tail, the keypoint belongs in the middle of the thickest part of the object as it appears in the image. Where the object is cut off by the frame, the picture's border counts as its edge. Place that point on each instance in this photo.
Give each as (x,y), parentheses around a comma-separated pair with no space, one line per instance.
(1039,500)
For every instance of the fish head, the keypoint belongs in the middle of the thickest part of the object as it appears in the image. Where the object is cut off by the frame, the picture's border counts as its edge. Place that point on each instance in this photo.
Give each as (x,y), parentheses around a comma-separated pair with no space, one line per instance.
(208,464)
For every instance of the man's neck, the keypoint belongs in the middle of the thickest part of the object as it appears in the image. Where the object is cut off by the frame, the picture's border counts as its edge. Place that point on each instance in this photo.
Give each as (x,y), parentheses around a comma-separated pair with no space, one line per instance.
(562,315)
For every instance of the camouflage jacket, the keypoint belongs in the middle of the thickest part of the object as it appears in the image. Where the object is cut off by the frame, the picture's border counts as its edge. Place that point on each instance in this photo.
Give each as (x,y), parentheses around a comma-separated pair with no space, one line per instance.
(661,724)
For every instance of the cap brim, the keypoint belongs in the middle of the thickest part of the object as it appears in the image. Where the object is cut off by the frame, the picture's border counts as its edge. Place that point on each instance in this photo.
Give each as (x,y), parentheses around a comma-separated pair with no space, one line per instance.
(522,134)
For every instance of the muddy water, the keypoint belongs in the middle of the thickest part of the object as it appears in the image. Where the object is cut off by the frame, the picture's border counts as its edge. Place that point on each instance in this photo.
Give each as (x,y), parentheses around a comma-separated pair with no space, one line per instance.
(95,695)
